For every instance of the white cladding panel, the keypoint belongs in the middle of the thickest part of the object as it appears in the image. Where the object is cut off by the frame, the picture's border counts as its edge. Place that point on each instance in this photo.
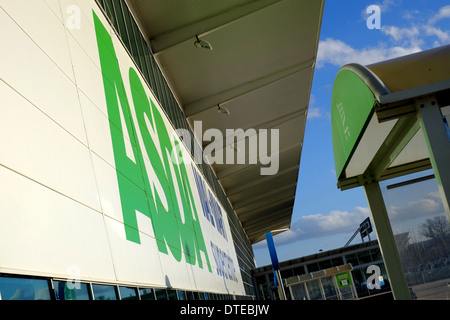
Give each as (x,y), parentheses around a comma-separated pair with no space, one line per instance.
(60,204)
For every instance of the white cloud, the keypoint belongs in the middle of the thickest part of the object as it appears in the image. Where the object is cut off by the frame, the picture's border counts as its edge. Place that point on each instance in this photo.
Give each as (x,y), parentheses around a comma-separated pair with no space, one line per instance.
(401,41)
(443,36)
(401,33)
(339,53)
(337,222)
(415,35)
(323,225)
(430,204)
(443,13)
(388,4)
(385,5)
(410,14)
(314,112)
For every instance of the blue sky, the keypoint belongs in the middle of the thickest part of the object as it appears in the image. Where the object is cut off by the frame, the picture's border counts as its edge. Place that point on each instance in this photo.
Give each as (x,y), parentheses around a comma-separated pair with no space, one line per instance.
(324,217)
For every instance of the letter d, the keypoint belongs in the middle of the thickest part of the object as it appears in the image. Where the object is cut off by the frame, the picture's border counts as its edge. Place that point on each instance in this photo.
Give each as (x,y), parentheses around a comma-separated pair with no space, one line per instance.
(228,309)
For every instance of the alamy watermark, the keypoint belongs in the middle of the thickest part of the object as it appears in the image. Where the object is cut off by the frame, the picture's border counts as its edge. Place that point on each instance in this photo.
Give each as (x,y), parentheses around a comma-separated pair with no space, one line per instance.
(73,21)
(374,281)
(374,20)
(238,146)
(75,275)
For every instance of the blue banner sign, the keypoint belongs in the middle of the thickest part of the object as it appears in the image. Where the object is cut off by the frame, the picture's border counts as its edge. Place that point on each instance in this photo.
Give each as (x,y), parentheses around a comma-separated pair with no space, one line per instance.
(272,251)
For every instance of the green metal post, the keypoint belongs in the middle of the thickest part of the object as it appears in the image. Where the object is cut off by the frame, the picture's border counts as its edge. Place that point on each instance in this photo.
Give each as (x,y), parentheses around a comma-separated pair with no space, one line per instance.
(438,144)
(386,242)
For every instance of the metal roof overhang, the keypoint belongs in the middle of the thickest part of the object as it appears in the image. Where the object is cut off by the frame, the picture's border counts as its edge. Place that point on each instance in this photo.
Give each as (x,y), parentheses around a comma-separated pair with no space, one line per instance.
(260,69)
(387,139)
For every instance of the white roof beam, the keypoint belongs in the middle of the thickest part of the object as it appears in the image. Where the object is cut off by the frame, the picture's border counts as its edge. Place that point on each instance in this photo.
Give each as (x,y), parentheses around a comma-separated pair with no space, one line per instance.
(165,41)
(191,109)
(264,179)
(233,170)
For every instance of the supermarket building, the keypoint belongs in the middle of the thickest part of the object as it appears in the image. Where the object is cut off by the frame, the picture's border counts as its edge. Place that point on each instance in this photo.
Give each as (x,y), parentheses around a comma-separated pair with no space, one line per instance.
(97,95)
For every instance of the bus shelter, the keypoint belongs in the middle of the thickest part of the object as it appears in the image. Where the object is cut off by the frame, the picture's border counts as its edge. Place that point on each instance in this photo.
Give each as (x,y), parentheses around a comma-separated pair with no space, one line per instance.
(329,284)
(389,119)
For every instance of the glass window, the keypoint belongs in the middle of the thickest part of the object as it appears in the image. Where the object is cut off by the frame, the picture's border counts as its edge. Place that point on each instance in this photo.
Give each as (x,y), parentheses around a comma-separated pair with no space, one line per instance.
(12,288)
(329,288)
(147,294)
(108,6)
(66,290)
(298,271)
(423,254)
(161,294)
(313,267)
(182,295)
(130,35)
(314,290)
(127,293)
(286,273)
(325,264)
(172,294)
(364,257)
(299,292)
(104,292)
(376,254)
(352,259)
(201,296)
(214,296)
(337,261)
(118,17)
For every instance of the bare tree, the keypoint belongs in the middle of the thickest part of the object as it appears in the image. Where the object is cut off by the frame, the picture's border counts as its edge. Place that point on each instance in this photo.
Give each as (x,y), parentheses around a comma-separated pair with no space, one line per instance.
(438,229)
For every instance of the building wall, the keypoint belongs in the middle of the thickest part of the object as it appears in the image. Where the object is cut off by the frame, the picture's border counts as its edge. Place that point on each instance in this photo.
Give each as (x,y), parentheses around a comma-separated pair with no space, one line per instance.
(85,194)
(360,256)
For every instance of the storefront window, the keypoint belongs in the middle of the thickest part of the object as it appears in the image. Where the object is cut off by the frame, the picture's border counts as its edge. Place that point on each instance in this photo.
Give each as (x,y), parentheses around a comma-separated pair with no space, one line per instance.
(312,267)
(182,295)
(376,254)
(127,293)
(299,292)
(352,259)
(329,288)
(66,290)
(147,294)
(314,290)
(12,288)
(172,295)
(364,257)
(161,294)
(104,292)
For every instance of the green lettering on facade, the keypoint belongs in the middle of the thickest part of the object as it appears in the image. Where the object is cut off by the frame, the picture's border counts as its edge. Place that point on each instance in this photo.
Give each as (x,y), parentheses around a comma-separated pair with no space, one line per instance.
(168,199)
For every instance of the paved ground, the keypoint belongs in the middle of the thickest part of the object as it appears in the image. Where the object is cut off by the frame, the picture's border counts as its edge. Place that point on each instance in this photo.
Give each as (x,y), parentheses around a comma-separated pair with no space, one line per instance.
(437,290)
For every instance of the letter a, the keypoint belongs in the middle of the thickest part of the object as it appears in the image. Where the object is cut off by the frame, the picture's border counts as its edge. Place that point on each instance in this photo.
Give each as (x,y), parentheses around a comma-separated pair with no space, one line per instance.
(375,277)
(74,19)
(374,21)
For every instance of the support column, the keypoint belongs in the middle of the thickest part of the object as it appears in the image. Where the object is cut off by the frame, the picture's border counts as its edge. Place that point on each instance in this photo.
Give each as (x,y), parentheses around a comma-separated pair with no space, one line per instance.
(438,144)
(386,241)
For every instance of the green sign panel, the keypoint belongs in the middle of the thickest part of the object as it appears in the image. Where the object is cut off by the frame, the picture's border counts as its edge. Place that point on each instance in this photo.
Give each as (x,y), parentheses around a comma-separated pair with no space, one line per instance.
(344,279)
(352,105)
(168,200)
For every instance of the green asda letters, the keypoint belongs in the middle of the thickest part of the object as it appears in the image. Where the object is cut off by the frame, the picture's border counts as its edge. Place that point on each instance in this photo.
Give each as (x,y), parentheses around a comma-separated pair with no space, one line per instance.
(166,200)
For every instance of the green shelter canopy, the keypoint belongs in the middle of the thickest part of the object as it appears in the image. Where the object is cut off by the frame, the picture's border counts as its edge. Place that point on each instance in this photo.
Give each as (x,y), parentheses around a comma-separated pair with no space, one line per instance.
(375,129)
(390,119)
